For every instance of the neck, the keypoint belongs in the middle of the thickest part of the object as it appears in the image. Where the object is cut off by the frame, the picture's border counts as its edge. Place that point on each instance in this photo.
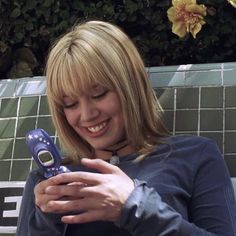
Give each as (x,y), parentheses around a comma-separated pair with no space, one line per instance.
(121,149)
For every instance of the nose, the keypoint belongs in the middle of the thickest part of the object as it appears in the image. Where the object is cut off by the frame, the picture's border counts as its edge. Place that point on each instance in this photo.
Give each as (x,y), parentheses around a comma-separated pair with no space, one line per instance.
(88,111)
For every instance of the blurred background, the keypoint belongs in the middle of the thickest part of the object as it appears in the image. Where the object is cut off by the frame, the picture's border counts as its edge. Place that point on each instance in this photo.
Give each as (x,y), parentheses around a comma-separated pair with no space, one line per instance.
(28,27)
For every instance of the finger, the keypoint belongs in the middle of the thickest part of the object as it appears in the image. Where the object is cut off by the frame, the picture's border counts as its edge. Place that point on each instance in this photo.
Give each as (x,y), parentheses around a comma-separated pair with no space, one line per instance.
(75,205)
(65,190)
(100,165)
(92,192)
(43,199)
(74,191)
(40,187)
(78,176)
(85,217)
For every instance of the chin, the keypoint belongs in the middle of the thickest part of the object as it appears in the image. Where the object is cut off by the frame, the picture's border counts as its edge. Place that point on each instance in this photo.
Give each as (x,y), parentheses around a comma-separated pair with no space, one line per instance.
(101,146)
(98,146)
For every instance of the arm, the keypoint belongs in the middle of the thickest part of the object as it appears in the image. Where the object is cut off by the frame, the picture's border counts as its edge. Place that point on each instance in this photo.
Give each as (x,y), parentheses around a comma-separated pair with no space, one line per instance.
(212,209)
(146,214)
(32,221)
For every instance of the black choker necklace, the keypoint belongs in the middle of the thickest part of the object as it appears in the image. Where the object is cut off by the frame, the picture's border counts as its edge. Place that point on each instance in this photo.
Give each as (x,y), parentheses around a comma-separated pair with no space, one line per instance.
(115,160)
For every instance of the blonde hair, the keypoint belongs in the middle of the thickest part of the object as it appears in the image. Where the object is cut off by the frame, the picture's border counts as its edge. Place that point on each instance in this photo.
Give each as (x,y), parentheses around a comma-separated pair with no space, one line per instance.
(99,52)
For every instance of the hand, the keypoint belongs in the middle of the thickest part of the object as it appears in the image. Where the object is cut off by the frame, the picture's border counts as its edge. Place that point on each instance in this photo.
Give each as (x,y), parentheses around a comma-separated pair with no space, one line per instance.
(99,196)
(43,200)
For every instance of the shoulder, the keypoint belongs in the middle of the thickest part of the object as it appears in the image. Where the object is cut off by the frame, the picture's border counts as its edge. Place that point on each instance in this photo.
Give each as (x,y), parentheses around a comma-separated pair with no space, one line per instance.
(192,144)
(189,140)
(192,157)
(193,149)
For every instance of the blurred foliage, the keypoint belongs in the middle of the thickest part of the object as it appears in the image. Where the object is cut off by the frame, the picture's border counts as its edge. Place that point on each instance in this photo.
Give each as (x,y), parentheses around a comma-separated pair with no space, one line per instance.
(28,27)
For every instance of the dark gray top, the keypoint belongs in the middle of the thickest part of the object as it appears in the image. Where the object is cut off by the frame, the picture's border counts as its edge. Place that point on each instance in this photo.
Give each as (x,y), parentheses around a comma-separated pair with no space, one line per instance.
(182,188)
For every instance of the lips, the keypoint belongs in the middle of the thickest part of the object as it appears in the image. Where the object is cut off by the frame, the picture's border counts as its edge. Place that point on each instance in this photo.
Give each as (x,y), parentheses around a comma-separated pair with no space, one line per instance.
(97,130)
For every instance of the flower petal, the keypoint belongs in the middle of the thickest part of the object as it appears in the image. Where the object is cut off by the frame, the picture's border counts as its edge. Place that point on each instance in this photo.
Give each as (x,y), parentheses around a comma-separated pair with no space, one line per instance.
(177,2)
(171,13)
(186,16)
(179,29)
(196,29)
(197,9)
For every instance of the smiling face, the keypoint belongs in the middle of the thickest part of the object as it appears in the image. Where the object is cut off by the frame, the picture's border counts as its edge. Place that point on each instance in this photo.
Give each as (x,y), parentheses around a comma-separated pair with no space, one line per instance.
(96,116)
(95,53)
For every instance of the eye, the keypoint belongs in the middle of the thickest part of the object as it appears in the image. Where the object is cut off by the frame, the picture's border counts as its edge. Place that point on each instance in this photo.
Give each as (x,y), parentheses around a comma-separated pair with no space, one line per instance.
(100,95)
(69,103)
(98,91)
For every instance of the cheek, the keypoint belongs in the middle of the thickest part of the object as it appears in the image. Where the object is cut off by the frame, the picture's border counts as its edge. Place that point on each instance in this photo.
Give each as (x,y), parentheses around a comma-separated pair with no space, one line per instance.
(70,117)
(113,105)
(117,113)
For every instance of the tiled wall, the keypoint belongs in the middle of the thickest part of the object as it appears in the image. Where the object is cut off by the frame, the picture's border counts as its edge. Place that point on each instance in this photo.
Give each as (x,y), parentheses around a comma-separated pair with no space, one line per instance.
(200,100)
(197,99)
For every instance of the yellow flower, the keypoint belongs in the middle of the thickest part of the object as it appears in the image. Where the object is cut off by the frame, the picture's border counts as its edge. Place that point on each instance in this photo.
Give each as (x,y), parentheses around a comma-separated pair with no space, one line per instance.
(232,2)
(186,17)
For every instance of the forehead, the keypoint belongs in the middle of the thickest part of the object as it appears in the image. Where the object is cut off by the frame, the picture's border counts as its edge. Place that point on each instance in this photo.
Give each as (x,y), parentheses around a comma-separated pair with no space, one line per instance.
(89,89)
(72,78)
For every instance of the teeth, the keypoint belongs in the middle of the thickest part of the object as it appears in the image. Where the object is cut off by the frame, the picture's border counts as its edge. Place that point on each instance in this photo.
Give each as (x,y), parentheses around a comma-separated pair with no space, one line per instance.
(97,128)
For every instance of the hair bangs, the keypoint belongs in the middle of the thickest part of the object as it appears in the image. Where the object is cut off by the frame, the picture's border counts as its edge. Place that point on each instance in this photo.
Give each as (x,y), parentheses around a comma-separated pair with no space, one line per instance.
(74,77)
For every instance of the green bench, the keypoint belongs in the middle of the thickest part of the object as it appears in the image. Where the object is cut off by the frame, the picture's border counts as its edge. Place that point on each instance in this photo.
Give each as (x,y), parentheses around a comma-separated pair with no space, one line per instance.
(197,99)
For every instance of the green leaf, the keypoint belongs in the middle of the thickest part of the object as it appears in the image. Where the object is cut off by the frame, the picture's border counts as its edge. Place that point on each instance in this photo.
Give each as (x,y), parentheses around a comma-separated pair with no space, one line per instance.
(19,36)
(122,17)
(15,13)
(48,3)
(29,5)
(29,26)
(3,47)
(99,4)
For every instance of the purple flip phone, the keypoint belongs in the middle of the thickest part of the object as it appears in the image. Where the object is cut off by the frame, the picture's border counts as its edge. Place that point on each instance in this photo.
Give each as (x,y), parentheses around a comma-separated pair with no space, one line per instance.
(45,152)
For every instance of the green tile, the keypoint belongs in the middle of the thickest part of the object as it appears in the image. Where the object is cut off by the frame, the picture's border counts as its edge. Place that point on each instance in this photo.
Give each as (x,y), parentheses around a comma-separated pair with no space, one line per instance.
(186,120)
(216,136)
(46,124)
(20,170)
(201,78)
(158,69)
(168,119)
(6,148)
(7,88)
(4,170)
(229,77)
(212,97)
(28,106)
(229,65)
(21,149)
(31,86)
(230,146)
(44,109)
(187,98)
(211,120)
(166,79)
(230,100)
(230,115)
(186,133)
(231,164)
(7,128)
(7,234)
(166,97)
(8,107)
(206,66)
(24,125)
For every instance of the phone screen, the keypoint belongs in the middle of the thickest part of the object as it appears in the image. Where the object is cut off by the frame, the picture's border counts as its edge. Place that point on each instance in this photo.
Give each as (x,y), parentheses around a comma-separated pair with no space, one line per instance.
(46,158)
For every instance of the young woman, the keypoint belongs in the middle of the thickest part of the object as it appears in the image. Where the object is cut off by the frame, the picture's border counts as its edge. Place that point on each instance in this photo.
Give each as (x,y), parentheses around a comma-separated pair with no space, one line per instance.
(128,176)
